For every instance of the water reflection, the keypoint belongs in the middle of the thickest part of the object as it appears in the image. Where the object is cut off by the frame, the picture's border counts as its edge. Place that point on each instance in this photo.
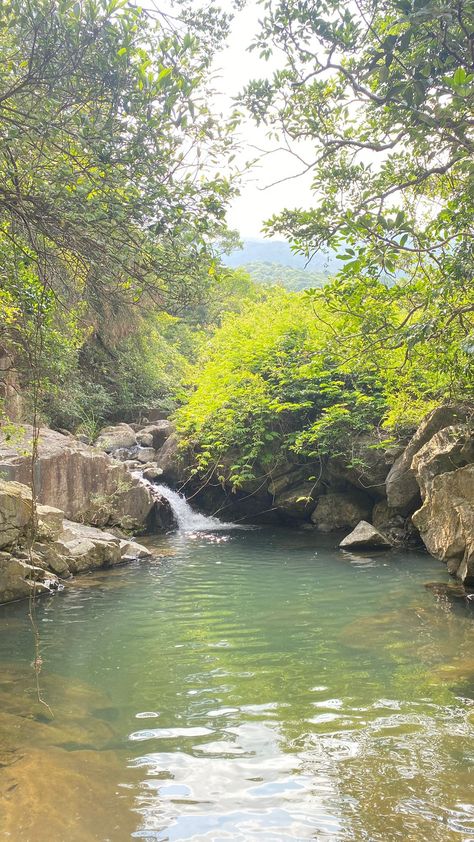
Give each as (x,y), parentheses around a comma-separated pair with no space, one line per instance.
(241,690)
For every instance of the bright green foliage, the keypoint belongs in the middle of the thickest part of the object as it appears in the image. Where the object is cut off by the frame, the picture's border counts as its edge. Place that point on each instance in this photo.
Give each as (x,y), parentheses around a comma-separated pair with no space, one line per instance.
(277,380)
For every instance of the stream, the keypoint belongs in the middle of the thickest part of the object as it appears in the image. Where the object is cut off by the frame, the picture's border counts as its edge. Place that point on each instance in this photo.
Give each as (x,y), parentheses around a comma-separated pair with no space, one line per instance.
(241,685)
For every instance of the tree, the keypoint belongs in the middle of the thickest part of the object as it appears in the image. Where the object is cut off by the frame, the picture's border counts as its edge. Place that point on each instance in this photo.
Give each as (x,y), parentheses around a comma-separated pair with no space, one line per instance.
(109,190)
(384,93)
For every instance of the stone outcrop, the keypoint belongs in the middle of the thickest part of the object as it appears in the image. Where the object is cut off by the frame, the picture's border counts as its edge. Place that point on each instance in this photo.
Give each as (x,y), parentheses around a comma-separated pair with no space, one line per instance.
(446,521)
(15,511)
(61,547)
(341,510)
(449,449)
(171,461)
(365,536)
(297,502)
(403,491)
(18,579)
(80,480)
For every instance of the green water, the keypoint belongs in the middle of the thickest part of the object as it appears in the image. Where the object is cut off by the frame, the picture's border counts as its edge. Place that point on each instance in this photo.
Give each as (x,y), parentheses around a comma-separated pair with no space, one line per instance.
(254,685)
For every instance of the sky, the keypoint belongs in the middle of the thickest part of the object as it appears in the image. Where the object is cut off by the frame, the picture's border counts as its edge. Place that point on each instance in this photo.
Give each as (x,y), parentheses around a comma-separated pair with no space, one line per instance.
(234,67)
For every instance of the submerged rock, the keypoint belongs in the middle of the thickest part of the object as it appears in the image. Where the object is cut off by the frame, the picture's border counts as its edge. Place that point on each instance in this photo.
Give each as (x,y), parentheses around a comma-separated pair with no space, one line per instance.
(365,535)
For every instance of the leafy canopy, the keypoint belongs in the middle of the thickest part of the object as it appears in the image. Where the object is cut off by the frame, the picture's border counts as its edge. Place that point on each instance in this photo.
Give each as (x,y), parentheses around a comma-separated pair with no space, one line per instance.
(383,94)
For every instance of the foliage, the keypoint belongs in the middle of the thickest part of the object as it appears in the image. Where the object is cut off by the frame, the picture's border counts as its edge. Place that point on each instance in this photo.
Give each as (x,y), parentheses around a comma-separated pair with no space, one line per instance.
(109,184)
(286,276)
(275,382)
(384,92)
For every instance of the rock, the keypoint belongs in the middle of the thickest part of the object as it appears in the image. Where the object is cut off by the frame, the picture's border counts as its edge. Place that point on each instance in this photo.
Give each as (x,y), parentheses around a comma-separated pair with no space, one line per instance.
(145,454)
(446,521)
(132,464)
(144,439)
(450,448)
(287,476)
(161,516)
(87,548)
(367,470)
(341,510)
(116,437)
(18,579)
(159,432)
(297,502)
(82,481)
(403,492)
(152,473)
(365,535)
(50,523)
(131,550)
(15,511)
(172,461)
(399,529)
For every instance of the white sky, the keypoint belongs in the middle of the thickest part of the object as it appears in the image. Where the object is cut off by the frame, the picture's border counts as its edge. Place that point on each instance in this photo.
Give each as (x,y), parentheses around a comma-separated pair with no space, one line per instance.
(235,67)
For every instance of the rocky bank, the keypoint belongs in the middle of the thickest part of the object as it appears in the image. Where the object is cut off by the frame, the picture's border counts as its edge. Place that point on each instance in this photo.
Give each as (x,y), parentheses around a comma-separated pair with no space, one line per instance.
(412,495)
(418,494)
(82,492)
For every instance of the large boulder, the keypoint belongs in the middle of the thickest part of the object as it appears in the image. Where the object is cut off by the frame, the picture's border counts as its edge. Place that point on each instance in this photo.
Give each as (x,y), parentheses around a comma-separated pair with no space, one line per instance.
(18,579)
(403,491)
(341,510)
(369,465)
(86,548)
(115,438)
(450,448)
(398,528)
(80,480)
(172,461)
(446,521)
(154,435)
(298,502)
(365,536)
(15,511)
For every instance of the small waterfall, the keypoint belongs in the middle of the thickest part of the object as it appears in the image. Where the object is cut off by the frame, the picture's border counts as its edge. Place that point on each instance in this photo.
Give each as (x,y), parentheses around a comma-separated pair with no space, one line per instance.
(187,519)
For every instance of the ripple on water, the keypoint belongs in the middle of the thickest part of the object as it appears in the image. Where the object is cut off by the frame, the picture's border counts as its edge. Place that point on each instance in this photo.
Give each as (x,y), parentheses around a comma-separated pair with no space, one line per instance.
(246,689)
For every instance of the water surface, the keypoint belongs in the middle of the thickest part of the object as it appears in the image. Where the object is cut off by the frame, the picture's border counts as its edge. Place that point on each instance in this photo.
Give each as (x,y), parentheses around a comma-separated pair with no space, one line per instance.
(246,685)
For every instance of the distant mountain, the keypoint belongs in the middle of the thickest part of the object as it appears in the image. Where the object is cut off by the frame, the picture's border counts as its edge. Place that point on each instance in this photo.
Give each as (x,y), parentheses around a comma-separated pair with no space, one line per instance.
(279,252)
(287,276)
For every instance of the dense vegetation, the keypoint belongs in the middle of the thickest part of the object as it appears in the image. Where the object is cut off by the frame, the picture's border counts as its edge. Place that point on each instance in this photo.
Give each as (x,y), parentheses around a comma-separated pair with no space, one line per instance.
(384,92)
(110,193)
(112,218)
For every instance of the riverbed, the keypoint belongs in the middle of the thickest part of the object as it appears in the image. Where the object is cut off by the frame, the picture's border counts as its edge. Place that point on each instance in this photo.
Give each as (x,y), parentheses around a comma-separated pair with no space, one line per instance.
(241,685)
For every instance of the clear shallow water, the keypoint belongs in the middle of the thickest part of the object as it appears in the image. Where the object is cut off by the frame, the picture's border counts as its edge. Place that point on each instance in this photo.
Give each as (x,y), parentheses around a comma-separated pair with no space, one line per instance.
(249,685)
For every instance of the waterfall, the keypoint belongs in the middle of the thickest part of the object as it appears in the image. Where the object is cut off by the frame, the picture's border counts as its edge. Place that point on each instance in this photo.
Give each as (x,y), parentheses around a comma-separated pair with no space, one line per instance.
(187,519)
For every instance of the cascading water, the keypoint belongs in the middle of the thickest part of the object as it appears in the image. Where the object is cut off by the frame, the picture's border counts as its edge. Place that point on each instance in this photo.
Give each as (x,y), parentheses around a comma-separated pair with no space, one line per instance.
(187,519)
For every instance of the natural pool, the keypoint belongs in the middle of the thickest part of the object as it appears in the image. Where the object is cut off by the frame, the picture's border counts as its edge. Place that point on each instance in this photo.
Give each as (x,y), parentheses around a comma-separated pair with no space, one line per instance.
(249,685)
